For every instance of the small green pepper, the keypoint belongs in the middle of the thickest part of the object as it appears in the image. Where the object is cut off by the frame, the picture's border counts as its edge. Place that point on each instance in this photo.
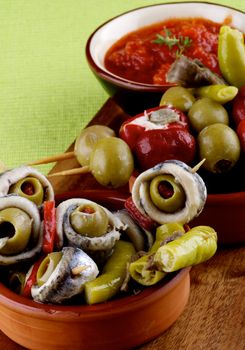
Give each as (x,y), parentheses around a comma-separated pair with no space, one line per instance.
(140,269)
(167,194)
(30,188)
(219,93)
(113,275)
(231,55)
(15,230)
(196,246)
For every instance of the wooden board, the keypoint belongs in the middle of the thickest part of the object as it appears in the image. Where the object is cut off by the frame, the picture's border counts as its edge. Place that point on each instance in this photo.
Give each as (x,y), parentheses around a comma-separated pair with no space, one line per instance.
(214,318)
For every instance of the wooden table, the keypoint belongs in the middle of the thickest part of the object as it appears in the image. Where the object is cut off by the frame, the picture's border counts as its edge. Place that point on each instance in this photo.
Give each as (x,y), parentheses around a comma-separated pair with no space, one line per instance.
(214,317)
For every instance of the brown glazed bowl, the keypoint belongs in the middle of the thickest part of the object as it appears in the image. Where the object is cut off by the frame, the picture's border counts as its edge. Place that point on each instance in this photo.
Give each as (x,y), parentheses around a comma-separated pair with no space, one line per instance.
(119,324)
(131,94)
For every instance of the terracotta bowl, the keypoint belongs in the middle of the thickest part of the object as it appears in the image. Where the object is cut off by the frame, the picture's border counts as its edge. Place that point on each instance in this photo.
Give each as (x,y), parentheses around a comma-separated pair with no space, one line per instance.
(126,92)
(119,324)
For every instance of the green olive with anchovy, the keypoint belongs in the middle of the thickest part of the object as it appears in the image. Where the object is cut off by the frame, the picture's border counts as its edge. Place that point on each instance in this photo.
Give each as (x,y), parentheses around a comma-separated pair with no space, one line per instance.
(15,225)
(178,97)
(167,194)
(90,220)
(47,267)
(30,188)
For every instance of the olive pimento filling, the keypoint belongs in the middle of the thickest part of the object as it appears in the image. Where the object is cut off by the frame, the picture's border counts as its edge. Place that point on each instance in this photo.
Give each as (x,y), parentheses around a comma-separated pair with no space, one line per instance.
(27,188)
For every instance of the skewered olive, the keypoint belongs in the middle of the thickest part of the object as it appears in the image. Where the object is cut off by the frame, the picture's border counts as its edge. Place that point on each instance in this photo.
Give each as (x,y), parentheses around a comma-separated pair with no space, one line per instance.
(47,267)
(30,188)
(16,226)
(167,194)
(178,97)
(87,139)
(111,162)
(206,111)
(90,220)
(220,146)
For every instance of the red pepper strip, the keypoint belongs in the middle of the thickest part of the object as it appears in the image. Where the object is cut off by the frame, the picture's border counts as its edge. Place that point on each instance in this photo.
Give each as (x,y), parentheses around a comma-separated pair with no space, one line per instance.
(143,220)
(132,180)
(50,236)
(31,280)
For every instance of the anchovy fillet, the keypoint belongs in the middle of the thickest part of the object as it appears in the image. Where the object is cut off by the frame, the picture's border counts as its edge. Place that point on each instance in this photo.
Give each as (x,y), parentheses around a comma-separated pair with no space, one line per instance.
(62,284)
(191,73)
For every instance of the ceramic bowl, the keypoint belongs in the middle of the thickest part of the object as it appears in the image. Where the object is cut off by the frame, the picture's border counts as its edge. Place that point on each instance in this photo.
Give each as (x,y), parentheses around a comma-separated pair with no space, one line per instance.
(119,324)
(126,92)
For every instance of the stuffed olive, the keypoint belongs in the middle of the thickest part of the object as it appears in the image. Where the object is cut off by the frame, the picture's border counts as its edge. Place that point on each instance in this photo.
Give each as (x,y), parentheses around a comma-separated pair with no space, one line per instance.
(169,192)
(62,275)
(87,225)
(21,233)
(26,182)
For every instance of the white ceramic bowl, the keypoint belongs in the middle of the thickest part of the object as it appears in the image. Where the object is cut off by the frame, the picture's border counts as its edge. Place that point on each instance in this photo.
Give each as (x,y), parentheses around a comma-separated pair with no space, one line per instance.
(108,33)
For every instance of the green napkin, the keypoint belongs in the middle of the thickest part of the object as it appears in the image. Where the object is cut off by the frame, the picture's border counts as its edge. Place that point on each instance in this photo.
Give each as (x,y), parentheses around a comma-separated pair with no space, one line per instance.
(48,94)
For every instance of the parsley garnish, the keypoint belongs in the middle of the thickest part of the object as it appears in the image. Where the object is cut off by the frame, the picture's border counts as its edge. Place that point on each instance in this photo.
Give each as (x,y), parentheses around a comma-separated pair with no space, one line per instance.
(171,40)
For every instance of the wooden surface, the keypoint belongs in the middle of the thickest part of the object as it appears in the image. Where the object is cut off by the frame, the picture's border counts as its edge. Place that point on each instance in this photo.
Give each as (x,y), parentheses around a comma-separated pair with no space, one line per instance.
(214,317)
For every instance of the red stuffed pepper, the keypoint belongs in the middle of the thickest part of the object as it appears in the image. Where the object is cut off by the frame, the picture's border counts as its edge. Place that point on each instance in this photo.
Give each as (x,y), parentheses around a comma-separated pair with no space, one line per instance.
(159,134)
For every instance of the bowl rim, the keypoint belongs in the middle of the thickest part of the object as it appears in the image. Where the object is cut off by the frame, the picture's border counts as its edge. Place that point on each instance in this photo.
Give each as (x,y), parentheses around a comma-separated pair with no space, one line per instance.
(13,301)
(130,84)
(17,303)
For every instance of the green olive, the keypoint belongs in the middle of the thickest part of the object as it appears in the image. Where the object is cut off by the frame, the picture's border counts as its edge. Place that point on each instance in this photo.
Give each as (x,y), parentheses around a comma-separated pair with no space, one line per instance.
(90,220)
(16,225)
(47,267)
(167,194)
(87,139)
(206,111)
(178,97)
(30,188)
(220,146)
(111,162)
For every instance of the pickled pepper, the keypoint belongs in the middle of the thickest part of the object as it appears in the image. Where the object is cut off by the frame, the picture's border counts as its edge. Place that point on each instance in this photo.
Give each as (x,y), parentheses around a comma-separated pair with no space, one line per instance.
(194,247)
(231,55)
(140,269)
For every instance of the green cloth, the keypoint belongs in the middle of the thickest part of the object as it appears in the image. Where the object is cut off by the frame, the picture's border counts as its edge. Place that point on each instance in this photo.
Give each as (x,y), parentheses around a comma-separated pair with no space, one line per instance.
(48,93)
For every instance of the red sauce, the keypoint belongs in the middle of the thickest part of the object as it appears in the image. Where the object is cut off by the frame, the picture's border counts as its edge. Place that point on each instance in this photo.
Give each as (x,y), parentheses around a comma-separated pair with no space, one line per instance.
(136,57)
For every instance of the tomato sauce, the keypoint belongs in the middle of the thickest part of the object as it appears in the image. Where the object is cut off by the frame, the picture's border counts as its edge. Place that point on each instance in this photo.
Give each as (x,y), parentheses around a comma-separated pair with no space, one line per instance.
(138,57)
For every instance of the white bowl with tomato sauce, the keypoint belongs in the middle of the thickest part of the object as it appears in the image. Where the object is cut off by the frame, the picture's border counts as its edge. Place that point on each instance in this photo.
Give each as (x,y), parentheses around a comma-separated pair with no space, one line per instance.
(135,90)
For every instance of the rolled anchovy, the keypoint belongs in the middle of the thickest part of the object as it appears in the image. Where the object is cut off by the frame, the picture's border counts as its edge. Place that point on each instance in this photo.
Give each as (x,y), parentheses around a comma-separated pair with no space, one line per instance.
(10,177)
(141,239)
(192,184)
(101,243)
(34,247)
(192,73)
(62,284)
